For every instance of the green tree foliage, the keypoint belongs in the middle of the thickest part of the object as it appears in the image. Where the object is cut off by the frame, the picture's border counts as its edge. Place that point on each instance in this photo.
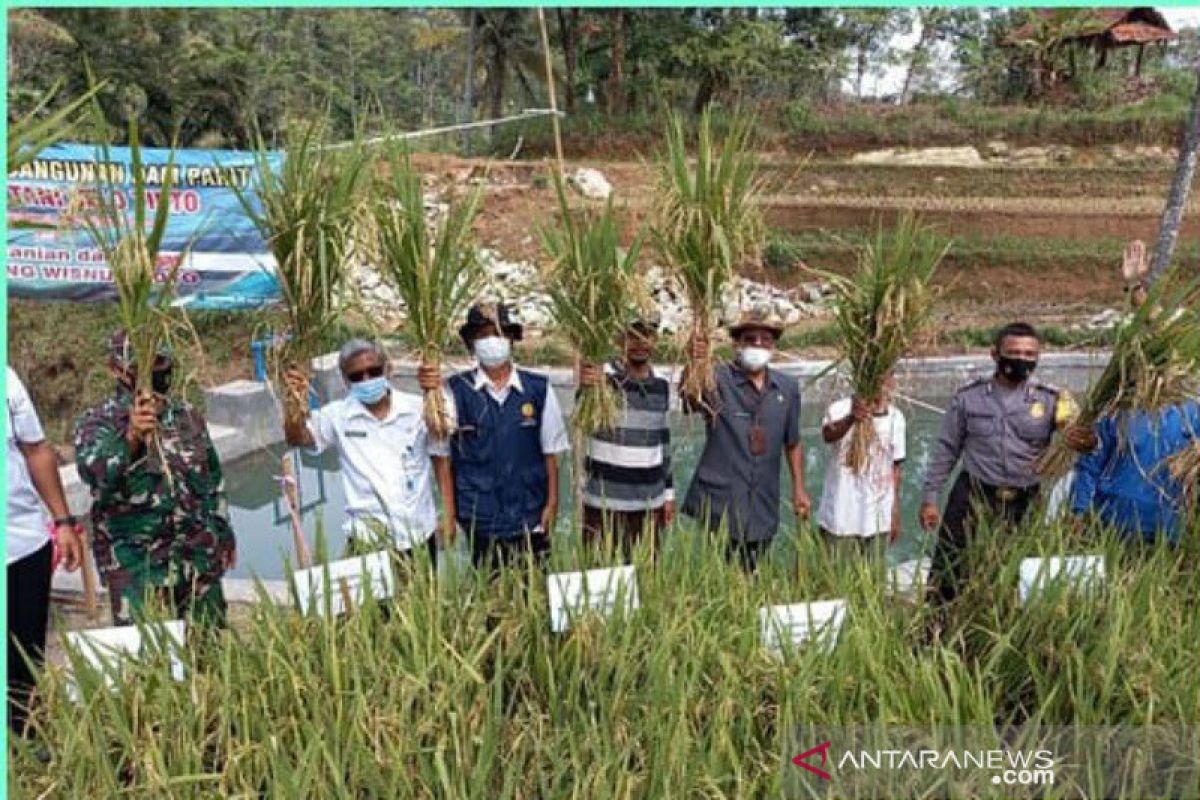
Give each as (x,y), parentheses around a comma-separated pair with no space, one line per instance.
(215,76)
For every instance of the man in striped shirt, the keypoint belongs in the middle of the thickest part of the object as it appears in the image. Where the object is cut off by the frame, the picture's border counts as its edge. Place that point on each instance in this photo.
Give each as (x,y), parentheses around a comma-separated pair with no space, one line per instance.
(629,490)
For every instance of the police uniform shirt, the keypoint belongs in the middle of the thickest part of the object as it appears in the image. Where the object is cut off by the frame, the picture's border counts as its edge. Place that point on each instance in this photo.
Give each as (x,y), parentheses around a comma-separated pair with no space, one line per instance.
(998,431)
(386,471)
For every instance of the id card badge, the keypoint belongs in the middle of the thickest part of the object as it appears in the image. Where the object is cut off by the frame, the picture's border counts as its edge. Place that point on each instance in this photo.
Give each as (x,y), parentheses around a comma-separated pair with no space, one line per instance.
(758,440)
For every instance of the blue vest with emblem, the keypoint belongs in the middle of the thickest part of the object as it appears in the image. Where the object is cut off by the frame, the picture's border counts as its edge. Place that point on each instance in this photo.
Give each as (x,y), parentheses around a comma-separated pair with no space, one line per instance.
(499,470)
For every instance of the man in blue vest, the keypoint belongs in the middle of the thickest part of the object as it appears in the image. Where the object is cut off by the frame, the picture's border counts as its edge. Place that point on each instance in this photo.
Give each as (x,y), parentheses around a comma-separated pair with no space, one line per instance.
(498,471)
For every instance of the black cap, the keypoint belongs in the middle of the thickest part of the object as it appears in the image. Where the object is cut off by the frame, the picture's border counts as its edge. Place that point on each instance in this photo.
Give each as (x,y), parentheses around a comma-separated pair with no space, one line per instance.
(496,314)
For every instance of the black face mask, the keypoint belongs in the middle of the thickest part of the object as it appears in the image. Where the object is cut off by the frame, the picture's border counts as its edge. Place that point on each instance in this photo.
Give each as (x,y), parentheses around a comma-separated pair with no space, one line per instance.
(160,380)
(1016,370)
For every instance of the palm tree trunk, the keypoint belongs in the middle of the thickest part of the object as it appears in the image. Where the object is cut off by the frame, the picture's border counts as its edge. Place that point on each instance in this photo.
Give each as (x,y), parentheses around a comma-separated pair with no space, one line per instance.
(468,113)
(914,61)
(568,31)
(499,73)
(616,75)
(1177,196)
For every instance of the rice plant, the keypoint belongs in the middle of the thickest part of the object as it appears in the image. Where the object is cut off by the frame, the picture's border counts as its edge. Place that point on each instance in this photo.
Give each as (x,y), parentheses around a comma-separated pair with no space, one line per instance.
(1155,363)
(128,226)
(462,690)
(708,223)
(39,129)
(594,296)
(881,310)
(306,210)
(1185,468)
(437,273)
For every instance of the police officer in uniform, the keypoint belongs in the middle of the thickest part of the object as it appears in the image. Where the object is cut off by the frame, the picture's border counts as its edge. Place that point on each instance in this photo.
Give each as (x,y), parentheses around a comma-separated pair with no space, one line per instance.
(998,427)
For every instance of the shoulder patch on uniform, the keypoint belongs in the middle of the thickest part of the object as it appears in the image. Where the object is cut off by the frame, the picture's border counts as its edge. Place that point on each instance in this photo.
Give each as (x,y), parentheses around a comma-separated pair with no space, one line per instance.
(972,384)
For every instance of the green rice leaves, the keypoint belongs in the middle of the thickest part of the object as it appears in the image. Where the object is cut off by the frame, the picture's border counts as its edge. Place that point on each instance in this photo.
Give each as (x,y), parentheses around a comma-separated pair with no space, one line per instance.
(1155,363)
(708,223)
(306,210)
(882,309)
(434,267)
(594,295)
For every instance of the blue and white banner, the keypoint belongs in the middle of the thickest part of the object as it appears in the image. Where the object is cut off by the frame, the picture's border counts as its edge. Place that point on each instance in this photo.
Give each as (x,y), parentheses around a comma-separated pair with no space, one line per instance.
(223,261)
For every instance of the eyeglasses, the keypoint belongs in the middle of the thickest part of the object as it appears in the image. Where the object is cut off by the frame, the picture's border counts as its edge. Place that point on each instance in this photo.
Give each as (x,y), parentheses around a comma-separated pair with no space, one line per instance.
(757,340)
(363,374)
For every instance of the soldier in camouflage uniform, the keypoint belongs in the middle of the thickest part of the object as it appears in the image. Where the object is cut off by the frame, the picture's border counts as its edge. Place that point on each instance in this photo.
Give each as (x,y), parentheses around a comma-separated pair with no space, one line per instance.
(158,537)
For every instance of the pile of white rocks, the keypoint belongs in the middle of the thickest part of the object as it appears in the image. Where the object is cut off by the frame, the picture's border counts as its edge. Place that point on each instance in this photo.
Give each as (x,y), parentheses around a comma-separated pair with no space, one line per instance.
(518,285)
(1106,320)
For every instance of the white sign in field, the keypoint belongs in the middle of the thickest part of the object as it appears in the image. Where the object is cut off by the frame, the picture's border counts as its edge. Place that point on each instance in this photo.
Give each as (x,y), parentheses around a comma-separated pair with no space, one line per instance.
(794,625)
(344,584)
(598,590)
(907,578)
(107,650)
(1079,572)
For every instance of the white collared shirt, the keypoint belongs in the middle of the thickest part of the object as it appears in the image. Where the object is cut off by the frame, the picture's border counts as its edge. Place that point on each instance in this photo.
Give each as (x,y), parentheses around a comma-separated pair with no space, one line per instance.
(26,531)
(553,434)
(386,470)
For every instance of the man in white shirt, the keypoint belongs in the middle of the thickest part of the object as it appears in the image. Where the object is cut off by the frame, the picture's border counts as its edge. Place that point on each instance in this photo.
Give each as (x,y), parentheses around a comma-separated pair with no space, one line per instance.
(383,448)
(32,480)
(499,468)
(861,512)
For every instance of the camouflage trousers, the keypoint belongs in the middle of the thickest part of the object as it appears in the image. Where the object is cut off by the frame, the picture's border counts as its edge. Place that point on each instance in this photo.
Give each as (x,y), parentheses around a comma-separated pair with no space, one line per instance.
(173,590)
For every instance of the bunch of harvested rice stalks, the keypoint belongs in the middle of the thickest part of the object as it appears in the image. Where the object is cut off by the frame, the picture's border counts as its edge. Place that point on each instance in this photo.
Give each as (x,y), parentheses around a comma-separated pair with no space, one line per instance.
(1155,363)
(305,209)
(708,224)
(881,310)
(594,293)
(436,273)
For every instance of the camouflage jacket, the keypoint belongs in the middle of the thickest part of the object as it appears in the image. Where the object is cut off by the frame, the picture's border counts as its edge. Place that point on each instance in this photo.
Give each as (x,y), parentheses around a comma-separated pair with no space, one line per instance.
(147,524)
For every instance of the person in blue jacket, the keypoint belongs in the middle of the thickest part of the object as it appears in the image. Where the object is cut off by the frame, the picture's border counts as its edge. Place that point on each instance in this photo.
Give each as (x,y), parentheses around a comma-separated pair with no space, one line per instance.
(1125,480)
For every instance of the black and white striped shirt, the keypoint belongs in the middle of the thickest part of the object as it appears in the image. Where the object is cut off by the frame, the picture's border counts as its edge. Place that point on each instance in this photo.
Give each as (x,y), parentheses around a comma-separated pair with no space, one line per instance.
(629,467)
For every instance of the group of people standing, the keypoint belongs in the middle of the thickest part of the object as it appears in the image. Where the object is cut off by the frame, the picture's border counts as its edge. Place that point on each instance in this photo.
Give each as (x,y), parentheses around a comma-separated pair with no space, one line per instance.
(161,531)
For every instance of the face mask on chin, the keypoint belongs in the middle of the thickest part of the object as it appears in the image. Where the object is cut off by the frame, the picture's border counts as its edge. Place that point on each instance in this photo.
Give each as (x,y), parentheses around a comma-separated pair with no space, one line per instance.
(753,359)
(1016,370)
(492,351)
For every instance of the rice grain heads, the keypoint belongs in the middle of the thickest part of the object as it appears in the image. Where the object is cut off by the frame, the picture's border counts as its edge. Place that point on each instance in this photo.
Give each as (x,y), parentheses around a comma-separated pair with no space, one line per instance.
(305,208)
(594,293)
(708,223)
(433,267)
(1155,363)
(130,234)
(881,309)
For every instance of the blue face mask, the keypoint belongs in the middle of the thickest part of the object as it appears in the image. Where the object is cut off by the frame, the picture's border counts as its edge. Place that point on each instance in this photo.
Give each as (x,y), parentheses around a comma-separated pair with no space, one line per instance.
(370,391)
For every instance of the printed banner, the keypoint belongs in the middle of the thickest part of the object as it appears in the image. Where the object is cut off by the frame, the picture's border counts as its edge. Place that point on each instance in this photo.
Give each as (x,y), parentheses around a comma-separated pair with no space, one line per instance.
(226,266)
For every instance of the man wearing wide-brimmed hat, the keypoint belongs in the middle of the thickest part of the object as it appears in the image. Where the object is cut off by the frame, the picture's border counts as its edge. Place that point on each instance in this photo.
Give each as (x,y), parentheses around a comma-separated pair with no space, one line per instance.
(498,471)
(158,513)
(753,423)
(628,489)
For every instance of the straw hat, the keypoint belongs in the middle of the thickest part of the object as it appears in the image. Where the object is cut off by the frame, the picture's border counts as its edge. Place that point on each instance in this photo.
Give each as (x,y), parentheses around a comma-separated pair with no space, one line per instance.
(760,317)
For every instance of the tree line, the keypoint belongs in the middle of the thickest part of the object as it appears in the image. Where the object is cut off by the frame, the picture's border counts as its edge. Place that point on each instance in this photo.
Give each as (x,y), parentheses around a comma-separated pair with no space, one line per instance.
(211,77)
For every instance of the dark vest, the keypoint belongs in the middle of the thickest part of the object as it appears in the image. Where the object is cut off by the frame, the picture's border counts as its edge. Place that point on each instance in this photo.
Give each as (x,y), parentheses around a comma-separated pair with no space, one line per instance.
(499,470)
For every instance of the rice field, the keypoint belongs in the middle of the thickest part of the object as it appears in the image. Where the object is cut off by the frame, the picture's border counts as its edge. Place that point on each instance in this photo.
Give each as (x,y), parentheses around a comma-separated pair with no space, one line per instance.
(461,689)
